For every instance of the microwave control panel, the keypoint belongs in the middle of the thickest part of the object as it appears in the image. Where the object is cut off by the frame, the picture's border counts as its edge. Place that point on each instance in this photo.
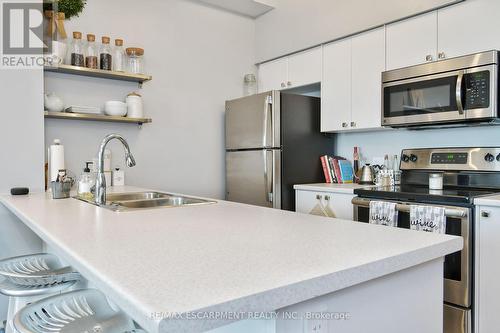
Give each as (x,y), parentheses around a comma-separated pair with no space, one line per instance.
(477,90)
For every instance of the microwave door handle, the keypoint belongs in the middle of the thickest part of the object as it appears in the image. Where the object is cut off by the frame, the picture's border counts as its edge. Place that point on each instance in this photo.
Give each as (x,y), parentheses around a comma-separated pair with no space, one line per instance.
(458,93)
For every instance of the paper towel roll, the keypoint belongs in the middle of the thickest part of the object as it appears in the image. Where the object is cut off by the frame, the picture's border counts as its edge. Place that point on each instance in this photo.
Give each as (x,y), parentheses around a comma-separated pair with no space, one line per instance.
(56,159)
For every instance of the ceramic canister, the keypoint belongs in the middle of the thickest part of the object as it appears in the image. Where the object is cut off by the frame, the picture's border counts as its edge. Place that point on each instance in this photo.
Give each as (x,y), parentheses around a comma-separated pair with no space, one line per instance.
(134,105)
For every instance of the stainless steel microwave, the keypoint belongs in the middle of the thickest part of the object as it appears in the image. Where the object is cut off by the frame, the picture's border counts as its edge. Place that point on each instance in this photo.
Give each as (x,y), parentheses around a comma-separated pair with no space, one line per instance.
(460,90)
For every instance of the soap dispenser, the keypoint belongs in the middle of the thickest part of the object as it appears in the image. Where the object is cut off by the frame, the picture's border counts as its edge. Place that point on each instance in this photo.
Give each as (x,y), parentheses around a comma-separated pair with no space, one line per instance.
(86,183)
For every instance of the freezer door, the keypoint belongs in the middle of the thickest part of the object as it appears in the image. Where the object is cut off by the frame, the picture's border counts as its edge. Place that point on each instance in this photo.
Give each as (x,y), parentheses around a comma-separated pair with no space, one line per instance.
(254,177)
(253,122)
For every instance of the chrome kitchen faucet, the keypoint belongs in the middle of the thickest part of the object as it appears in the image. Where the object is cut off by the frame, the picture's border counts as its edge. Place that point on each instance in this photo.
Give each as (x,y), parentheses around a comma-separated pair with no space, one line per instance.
(100,185)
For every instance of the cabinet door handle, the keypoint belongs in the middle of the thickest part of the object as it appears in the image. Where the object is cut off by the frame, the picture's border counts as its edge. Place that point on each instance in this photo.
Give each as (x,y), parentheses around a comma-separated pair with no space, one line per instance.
(344,125)
(289,83)
(318,197)
(441,55)
(429,57)
(485,214)
(353,124)
(327,198)
(283,85)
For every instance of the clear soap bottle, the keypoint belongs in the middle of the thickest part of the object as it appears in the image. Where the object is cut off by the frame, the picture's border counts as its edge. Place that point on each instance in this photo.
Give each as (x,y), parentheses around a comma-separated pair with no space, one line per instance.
(85,184)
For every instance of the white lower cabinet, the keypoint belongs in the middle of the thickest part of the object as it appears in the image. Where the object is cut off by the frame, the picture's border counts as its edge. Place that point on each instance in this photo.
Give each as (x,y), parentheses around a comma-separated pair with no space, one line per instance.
(338,203)
(487,269)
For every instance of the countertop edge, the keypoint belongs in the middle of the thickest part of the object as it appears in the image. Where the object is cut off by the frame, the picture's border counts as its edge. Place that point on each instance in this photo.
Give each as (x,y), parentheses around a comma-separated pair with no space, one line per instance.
(320,286)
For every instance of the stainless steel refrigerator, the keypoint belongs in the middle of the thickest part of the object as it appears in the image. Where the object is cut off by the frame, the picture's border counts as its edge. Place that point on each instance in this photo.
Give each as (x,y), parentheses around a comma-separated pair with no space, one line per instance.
(273,141)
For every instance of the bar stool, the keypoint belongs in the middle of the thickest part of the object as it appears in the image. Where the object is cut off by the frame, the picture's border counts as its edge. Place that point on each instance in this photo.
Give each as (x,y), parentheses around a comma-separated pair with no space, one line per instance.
(86,310)
(26,279)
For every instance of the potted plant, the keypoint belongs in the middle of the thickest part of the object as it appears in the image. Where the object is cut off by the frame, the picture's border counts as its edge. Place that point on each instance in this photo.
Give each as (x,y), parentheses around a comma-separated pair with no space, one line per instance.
(70,8)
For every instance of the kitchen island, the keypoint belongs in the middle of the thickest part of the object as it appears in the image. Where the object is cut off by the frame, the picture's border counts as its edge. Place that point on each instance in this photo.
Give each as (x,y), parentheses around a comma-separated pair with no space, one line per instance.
(197,268)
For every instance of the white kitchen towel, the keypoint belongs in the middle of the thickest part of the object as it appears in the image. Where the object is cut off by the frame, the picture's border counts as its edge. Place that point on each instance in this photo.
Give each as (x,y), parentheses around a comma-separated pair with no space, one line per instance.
(383,213)
(428,218)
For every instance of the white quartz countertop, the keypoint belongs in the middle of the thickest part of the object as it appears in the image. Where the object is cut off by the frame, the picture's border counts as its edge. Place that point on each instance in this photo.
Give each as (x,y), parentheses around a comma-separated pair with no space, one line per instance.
(225,257)
(492,201)
(333,188)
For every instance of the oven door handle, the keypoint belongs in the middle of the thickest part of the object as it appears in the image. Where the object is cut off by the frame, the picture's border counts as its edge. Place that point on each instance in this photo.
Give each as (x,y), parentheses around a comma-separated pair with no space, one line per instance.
(458,92)
(449,212)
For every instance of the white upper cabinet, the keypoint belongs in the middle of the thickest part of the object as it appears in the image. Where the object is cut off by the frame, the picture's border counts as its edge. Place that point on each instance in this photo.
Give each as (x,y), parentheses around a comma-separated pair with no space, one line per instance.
(297,70)
(469,27)
(351,95)
(368,63)
(336,86)
(304,68)
(414,41)
(273,75)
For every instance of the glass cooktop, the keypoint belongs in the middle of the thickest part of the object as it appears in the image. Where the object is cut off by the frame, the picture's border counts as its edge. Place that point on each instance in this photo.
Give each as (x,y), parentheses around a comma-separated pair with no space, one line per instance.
(424,194)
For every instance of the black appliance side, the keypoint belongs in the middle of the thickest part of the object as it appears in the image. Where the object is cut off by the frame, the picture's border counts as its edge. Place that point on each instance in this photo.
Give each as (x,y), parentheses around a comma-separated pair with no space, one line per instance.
(302,145)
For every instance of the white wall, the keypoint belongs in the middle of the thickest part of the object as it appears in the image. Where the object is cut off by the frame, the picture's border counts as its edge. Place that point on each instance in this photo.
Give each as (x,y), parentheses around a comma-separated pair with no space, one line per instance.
(377,144)
(197,56)
(297,24)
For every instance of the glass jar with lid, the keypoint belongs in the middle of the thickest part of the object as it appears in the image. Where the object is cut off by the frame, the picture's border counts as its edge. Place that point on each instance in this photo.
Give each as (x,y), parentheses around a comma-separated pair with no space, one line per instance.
(118,56)
(91,57)
(77,57)
(135,60)
(105,56)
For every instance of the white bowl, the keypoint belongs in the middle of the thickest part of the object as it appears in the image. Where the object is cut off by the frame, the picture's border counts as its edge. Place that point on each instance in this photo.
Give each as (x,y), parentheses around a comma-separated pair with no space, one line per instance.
(115,108)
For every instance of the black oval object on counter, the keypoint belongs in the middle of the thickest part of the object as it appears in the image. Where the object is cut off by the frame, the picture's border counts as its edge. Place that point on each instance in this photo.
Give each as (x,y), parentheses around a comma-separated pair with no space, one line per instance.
(19,190)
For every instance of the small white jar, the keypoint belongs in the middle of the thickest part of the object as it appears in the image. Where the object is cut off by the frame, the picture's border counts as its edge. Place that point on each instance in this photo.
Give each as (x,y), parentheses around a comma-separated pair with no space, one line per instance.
(134,106)
(436,181)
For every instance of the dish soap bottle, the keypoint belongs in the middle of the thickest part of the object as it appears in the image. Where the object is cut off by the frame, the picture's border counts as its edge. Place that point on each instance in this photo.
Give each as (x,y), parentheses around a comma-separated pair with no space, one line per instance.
(86,183)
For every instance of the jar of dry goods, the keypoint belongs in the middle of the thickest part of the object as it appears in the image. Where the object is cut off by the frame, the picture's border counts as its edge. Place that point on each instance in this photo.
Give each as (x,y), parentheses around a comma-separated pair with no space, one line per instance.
(105,56)
(135,60)
(91,60)
(77,57)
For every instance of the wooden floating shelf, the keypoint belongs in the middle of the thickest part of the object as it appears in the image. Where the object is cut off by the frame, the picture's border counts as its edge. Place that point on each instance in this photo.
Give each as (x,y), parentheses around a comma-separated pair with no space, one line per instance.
(95,117)
(98,73)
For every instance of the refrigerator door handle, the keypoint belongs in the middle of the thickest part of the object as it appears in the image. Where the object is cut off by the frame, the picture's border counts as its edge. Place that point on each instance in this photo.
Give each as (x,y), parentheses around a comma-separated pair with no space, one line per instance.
(268,122)
(269,174)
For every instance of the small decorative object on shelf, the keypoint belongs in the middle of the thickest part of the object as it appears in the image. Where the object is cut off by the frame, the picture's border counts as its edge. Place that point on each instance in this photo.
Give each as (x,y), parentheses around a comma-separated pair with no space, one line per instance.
(249,85)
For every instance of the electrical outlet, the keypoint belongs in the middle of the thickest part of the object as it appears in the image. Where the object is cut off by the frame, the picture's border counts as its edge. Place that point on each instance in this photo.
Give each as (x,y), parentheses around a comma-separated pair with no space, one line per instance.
(316,326)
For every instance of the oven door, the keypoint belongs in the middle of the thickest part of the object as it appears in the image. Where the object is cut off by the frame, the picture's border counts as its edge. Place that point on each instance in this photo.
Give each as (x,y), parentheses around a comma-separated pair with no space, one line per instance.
(449,97)
(457,266)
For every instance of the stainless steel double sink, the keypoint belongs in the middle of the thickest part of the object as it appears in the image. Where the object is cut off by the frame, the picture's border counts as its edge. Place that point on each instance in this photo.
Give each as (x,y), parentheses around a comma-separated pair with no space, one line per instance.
(146,200)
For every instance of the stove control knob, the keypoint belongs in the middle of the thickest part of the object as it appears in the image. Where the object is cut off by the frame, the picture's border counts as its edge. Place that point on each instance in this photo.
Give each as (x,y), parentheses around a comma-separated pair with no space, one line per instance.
(413,158)
(405,158)
(498,157)
(489,157)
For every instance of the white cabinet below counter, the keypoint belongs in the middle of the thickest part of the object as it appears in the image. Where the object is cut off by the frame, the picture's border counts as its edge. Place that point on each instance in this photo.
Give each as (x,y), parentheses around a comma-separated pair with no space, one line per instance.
(335,198)
(486,268)
(297,70)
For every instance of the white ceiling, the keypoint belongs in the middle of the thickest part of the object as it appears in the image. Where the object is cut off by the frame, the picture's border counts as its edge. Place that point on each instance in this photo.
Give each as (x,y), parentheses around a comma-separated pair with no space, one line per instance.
(251,8)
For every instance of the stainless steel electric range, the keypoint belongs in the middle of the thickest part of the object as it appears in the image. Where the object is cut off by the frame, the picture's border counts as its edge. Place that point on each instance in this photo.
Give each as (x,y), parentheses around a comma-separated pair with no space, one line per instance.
(467,173)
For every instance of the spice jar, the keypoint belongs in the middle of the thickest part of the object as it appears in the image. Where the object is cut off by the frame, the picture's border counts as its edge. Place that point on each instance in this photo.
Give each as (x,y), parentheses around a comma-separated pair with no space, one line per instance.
(91,60)
(105,54)
(118,56)
(135,60)
(77,58)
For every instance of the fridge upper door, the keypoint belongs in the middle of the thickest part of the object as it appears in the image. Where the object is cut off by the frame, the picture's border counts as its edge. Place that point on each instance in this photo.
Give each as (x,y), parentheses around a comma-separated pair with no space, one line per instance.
(253,122)
(254,177)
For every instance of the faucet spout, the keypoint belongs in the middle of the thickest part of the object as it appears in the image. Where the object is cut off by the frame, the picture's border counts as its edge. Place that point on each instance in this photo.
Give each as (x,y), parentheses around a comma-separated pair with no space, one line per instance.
(100,186)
